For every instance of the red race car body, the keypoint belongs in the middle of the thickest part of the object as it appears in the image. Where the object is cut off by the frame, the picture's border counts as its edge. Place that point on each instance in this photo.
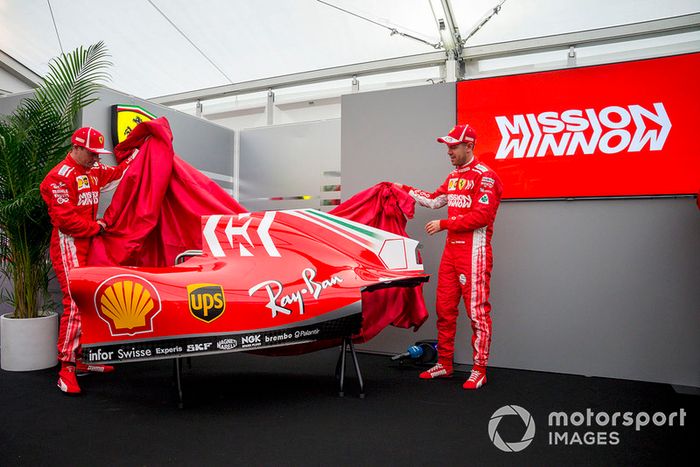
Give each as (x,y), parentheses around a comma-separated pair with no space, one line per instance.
(262,280)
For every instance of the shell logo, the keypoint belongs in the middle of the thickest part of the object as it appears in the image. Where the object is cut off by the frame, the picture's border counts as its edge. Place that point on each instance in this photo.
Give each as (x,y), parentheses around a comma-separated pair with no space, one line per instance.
(128,304)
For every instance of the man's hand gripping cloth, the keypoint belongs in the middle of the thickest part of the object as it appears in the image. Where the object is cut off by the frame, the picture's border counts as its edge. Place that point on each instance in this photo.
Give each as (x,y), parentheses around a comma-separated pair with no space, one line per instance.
(385,207)
(156,211)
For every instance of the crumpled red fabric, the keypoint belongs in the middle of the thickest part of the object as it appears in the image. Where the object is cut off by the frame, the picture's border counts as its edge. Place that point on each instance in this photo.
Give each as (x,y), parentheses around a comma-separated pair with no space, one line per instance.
(155,214)
(385,207)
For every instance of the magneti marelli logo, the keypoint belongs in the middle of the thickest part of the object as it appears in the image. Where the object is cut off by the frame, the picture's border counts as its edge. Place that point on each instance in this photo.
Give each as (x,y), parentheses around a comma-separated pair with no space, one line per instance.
(515,446)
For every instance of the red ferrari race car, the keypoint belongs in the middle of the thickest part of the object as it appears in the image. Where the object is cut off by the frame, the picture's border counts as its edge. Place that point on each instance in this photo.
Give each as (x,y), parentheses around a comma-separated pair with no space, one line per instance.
(262,280)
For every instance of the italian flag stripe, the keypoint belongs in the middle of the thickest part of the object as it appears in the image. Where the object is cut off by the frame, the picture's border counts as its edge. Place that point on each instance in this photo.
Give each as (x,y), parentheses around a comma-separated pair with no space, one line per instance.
(355,237)
(345,224)
(137,109)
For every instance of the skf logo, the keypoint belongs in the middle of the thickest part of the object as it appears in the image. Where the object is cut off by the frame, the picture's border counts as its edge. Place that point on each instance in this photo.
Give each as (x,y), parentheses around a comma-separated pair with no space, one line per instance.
(612,130)
(128,304)
(83,182)
(206,301)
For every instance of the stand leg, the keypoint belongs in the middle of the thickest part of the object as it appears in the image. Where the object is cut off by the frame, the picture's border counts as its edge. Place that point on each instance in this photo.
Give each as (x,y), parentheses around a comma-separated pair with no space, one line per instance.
(341,393)
(340,367)
(337,365)
(178,380)
(357,369)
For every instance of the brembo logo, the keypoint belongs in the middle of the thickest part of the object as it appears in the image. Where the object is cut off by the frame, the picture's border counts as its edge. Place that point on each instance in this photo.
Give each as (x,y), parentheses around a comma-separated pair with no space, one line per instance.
(611,130)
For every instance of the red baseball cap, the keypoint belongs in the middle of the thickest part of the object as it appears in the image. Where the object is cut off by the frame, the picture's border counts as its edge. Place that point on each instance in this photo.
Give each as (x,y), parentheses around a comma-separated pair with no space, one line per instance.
(459,134)
(90,139)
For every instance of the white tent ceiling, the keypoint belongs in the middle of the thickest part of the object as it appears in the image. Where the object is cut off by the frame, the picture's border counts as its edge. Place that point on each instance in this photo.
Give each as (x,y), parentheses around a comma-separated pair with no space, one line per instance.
(162,47)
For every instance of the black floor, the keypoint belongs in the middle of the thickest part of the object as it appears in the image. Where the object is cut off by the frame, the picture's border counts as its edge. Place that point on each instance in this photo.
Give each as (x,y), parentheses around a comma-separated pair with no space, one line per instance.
(252,410)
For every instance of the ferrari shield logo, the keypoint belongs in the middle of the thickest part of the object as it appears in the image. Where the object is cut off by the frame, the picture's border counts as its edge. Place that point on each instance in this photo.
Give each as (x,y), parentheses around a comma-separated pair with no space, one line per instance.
(83,182)
(206,301)
(125,118)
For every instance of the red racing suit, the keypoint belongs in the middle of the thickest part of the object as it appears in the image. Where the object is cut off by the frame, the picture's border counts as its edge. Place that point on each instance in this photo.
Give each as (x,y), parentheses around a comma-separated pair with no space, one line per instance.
(72,194)
(472,193)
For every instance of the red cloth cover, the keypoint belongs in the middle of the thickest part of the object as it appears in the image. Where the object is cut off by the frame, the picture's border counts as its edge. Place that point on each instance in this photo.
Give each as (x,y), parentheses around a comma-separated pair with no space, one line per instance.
(156,211)
(155,215)
(385,207)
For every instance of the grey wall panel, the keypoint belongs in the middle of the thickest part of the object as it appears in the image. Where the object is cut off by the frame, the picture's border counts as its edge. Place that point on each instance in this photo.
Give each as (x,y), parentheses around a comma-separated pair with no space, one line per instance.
(203,144)
(594,287)
(390,136)
(9,103)
(282,163)
(604,288)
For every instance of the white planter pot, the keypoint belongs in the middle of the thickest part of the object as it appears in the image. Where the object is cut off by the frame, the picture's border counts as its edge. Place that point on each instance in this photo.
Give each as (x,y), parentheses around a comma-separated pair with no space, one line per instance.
(28,344)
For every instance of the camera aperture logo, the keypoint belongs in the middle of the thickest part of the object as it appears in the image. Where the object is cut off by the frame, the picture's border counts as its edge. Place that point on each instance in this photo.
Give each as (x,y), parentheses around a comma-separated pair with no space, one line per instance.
(515,446)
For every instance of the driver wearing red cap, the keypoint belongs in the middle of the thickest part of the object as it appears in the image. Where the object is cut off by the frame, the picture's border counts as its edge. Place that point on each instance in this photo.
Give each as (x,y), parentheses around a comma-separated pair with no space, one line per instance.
(472,193)
(71,191)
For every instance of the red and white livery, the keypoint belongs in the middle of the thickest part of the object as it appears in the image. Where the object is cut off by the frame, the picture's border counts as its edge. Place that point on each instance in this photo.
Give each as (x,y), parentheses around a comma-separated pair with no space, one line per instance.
(263,279)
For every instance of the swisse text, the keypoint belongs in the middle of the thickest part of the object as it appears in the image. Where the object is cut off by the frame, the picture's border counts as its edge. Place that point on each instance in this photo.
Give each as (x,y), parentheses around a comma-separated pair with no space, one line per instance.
(611,130)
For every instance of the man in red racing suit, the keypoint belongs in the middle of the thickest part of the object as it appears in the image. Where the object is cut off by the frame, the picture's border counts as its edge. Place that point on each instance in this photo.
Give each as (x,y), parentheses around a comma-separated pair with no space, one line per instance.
(472,193)
(71,191)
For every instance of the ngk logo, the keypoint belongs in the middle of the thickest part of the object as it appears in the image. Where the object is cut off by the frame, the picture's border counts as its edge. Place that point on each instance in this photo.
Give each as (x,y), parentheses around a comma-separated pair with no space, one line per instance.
(612,130)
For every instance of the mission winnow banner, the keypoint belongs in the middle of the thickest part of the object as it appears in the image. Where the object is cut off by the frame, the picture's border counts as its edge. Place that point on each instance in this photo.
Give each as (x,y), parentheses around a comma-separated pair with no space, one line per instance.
(626,129)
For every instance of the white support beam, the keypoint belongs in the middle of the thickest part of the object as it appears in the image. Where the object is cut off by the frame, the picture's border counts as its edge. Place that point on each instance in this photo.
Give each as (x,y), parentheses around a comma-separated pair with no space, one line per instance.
(452,28)
(297,79)
(452,71)
(675,25)
(270,107)
(19,71)
(615,34)
(602,59)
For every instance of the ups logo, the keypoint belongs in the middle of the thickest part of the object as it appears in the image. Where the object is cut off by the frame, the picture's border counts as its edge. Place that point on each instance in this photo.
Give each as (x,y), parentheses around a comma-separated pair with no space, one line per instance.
(206,301)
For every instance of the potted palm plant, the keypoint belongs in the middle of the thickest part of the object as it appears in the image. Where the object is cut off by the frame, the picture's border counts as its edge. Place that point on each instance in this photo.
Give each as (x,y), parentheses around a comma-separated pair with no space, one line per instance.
(33,139)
